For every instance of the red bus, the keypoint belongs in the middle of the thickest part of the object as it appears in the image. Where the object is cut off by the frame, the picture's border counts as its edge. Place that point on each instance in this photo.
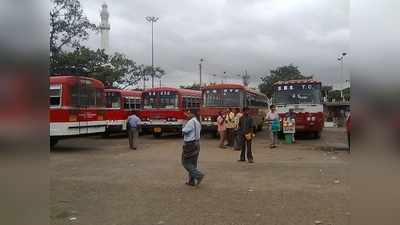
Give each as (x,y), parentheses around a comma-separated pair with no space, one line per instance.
(219,97)
(76,107)
(164,107)
(304,97)
(120,104)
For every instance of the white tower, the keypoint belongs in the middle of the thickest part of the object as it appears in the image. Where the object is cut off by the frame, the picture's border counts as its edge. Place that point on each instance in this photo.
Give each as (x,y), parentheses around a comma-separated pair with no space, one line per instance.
(104,28)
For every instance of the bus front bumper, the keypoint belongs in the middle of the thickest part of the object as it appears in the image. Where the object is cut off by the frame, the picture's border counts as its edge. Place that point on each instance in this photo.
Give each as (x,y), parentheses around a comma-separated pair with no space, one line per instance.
(162,126)
(208,126)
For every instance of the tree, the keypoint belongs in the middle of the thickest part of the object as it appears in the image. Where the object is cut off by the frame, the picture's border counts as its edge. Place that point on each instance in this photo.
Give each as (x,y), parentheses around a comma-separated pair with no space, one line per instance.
(68,25)
(283,73)
(325,90)
(114,71)
(194,86)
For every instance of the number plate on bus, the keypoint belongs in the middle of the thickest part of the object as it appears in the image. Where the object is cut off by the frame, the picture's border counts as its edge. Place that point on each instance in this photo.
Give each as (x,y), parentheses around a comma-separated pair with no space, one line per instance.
(157,130)
(300,126)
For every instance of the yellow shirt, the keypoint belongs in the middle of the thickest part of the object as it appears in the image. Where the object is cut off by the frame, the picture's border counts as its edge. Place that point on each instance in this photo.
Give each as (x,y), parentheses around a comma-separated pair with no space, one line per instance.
(237,118)
(230,120)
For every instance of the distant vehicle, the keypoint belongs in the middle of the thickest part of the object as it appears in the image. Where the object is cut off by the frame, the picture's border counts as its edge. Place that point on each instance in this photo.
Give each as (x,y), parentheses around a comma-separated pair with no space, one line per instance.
(164,109)
(76,107)
(120,104)
(220,97)
(304,97)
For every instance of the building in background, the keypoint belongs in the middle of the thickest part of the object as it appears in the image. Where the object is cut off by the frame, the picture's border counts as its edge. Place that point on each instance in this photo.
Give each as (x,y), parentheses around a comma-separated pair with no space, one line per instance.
(105,28)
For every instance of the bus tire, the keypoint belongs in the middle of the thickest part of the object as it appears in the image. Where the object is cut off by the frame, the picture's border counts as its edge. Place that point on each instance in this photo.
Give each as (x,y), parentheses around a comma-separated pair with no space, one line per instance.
(53,142)
(157,135)
(317,135)
(106,134)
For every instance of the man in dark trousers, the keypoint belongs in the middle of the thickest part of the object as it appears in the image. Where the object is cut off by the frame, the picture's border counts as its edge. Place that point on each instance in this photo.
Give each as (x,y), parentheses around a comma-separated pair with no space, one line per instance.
(133,125)
(191,149)
(246,133)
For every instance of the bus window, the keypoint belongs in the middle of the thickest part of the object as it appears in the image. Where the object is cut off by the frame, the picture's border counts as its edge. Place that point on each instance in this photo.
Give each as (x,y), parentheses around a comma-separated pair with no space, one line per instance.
(184,102)
(136,103)
(91,93)
(113,100)
(55,96)
(99,98)
(196,103)
(127,103)
(213,97)
(168,100)
(74,94)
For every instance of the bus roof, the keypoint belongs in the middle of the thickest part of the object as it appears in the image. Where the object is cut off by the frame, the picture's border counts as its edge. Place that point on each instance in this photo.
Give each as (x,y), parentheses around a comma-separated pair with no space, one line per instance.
(132,93)
(181,91)
(235,86)
(71,79)
(213,86)
(300,81)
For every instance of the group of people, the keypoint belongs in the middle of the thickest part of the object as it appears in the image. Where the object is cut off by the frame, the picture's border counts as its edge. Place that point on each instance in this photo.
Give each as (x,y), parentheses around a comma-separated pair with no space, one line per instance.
(234,127)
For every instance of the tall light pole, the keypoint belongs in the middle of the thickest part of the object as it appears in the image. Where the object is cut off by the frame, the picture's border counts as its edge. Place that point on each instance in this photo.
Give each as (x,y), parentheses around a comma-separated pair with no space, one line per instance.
(341,59)
(152,20)
(200,64)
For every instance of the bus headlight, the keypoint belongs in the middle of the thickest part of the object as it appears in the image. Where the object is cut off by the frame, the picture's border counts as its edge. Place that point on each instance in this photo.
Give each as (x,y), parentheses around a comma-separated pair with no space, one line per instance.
(308,118)
(313,118)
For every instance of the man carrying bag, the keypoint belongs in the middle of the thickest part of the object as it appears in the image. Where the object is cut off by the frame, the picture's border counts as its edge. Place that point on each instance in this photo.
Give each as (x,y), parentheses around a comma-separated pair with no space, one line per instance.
(246,131)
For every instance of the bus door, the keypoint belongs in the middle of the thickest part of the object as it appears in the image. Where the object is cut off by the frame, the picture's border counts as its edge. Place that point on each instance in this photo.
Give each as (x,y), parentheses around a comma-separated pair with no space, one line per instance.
(83,106)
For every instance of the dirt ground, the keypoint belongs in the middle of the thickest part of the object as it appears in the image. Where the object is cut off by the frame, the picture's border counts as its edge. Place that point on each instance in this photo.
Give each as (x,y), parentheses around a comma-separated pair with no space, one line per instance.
(97,181)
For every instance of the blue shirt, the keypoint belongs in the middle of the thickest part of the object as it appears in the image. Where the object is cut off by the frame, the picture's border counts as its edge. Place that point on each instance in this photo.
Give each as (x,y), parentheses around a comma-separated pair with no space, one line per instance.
(191,130)
(133,121)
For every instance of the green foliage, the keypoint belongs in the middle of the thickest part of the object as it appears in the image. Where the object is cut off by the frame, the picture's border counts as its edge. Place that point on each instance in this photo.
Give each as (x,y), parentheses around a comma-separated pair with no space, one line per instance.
(68,28)
(116,70)
(335,95)
(194,86)
(68,25)
(283,73)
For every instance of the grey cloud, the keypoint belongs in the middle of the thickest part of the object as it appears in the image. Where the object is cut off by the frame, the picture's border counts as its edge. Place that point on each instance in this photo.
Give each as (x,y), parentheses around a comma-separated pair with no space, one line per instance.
(231,35)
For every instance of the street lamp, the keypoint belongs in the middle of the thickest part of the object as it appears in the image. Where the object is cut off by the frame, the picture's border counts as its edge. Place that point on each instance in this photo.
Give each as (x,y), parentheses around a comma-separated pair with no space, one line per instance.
(200,64)
(341,59)
(152,20)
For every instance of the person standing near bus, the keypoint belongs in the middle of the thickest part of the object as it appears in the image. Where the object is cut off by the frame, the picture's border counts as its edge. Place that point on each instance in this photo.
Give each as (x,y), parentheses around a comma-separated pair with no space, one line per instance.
(191,149)
(291,116)
(133,125)
(274,125)
(237,140)
(230,126)
(246,132)
(221,129)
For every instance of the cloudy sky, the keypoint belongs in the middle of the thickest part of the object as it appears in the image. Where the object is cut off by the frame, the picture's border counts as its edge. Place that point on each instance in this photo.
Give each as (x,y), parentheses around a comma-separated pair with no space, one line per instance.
(231,35)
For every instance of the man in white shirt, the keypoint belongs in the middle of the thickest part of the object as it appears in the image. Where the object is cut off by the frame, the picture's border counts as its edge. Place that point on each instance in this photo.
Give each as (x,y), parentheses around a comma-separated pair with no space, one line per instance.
(191,149)
(132,126)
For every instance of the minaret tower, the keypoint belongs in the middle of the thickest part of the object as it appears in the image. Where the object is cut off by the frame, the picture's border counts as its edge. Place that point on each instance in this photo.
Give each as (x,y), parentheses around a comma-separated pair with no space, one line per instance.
(104,28)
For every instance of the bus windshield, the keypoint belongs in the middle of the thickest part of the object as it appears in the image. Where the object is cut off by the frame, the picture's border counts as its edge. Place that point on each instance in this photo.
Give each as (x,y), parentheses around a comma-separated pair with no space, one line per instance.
(222,97)
(297,94)
(162,99)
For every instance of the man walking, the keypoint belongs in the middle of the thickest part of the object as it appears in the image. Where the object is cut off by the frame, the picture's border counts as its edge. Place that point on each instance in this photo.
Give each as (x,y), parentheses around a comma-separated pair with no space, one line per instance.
(191,149)
(132,126)
(247,134)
